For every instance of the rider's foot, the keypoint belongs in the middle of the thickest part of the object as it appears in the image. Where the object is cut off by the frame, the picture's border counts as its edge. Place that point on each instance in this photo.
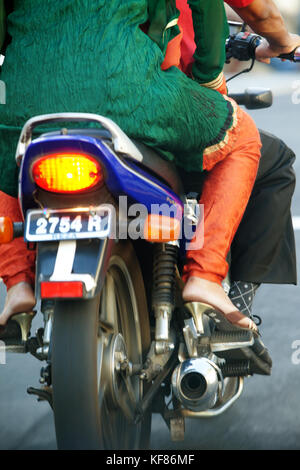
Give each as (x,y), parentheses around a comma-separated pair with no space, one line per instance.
(20,298)
(201,290)
(226,314)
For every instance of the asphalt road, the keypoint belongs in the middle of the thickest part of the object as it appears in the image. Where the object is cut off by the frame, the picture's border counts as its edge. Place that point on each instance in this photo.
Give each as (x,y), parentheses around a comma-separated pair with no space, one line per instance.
(267,415)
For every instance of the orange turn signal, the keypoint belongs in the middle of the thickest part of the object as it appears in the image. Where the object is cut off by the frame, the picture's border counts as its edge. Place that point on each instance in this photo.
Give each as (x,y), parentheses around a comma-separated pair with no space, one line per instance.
(161,228)
(6,230)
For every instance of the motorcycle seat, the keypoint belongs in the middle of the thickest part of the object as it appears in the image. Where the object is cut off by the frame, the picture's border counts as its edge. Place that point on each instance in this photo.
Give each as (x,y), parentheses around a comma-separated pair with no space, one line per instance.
(152,161)
(166,171)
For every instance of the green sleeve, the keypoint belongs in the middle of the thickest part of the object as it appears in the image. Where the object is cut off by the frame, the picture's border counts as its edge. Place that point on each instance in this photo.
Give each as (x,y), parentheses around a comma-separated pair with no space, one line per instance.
(2,23)
(162,14)
(211,30)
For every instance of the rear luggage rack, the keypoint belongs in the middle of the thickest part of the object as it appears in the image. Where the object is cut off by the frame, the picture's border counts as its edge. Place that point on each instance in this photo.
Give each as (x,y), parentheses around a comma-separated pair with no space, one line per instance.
(121,142)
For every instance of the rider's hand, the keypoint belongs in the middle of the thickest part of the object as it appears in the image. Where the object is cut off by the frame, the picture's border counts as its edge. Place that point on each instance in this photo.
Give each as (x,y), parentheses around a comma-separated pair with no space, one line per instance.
(265,51)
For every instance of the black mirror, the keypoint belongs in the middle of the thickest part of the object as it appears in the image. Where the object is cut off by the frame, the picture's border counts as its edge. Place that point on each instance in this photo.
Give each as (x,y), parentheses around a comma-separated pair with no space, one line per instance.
(254,98)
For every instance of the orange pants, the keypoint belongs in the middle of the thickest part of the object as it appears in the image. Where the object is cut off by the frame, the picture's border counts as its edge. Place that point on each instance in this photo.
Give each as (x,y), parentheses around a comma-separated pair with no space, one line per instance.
(17,264)
(225,195)
(226,192)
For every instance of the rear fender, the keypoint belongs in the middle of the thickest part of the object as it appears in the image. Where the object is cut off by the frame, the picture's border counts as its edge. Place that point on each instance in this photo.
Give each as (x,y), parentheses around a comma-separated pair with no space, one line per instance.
(121,176)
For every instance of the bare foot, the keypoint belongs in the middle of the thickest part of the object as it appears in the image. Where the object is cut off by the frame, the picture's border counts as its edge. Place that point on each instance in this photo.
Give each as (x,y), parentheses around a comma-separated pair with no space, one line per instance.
(19,299)
(201,290)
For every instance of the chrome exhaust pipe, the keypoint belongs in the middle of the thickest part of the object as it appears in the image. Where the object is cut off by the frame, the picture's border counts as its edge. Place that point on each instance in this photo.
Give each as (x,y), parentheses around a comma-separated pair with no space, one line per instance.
(195,383)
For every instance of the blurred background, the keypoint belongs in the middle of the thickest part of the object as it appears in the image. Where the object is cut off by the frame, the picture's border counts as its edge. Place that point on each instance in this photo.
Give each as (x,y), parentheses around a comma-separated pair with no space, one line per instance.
(291,12)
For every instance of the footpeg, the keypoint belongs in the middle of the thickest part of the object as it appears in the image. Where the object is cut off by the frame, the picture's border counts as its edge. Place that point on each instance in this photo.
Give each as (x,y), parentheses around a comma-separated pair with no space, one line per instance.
(16,332)
(228,340)
(244,368)
(236,369)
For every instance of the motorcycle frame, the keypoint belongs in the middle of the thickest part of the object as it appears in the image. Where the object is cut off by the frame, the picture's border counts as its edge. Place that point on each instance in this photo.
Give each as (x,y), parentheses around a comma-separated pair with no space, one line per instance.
(119,159)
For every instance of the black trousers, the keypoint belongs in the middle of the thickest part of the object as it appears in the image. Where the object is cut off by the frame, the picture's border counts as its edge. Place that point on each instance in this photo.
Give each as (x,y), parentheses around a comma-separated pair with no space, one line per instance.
(263,249)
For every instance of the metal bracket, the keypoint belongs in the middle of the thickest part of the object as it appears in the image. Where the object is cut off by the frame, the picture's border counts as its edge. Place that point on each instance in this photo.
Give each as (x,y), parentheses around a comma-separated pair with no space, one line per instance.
(121,141)
(43,394)
(218,410)
(196,310)
(191,337)
(48,312)
(156,362)
(177,428)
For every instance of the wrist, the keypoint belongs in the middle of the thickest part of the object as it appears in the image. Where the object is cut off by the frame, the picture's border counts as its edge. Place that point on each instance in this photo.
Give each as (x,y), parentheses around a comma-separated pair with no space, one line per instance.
(285,45)
(280,42)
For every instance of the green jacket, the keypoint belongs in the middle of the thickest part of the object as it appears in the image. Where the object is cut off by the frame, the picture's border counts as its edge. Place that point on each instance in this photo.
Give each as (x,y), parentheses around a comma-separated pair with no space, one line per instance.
(210,27)
(2,23)
(211,30)
(175,115)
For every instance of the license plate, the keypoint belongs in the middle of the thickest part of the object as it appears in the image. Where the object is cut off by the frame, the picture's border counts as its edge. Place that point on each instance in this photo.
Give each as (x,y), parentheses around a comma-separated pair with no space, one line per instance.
(67,224)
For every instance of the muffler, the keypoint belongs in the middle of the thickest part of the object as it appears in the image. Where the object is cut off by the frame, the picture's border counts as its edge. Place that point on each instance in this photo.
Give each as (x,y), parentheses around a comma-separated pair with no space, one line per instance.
(195,383)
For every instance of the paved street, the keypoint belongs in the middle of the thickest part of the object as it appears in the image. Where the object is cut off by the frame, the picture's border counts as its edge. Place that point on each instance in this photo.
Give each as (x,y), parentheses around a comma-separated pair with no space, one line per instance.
(267,416)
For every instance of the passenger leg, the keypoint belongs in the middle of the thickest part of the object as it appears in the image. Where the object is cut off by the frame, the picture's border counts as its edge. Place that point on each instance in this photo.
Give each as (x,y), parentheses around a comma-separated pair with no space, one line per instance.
(16,266)
(225,195)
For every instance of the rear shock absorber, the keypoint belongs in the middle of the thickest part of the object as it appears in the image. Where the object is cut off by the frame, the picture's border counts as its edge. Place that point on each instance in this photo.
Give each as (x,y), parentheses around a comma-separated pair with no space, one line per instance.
(163,293)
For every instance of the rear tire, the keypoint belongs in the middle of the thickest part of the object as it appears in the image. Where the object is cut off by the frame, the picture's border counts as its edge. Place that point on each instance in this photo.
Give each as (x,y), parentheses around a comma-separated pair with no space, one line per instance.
(87,337)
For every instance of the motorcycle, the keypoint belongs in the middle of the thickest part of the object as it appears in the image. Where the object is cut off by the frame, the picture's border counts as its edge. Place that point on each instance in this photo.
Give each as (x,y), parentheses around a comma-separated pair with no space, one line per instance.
(118,343)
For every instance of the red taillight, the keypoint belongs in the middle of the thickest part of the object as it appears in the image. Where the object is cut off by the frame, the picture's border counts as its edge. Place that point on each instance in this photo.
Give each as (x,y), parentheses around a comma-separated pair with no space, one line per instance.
(67,172)
(61,290)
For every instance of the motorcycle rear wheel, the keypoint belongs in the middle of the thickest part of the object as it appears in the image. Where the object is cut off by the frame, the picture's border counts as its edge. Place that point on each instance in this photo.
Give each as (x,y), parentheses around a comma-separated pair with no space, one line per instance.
(90,399)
